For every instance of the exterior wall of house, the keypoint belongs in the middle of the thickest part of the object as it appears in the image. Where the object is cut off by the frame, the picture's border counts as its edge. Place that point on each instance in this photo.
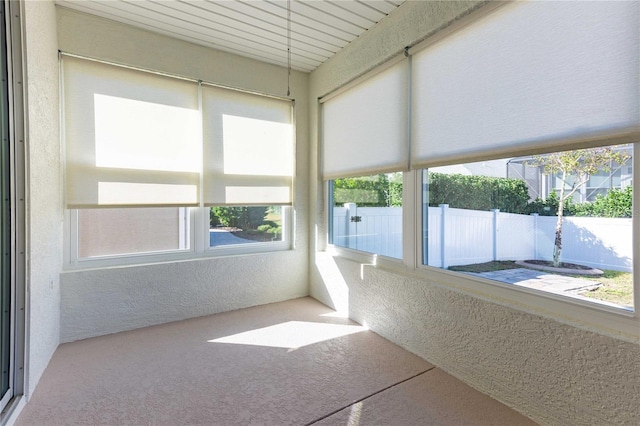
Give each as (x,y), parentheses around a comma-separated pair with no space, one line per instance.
(554,372)
(541,186)
(44,200)
(102,301)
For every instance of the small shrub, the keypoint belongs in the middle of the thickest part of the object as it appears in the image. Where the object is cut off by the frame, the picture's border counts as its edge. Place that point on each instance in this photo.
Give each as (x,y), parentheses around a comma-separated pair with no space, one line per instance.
(549,207)
(617,203)
(264,228)
(238,217)
(270,228)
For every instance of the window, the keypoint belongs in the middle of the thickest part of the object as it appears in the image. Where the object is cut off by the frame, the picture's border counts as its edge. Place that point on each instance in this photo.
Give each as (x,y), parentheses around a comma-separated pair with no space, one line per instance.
(247,225)
(478,221)
(121,133)
(367,214)
(101,237)
(166,167)
(365,153)
(472,126)
(109,232)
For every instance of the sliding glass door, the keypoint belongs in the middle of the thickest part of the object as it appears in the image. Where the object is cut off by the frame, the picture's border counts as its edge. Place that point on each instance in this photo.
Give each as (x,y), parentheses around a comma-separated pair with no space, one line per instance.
(12,209)
(6,240)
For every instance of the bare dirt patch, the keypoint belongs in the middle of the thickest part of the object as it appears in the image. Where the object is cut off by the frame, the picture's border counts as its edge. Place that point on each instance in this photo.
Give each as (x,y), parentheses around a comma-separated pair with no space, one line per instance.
(565,268)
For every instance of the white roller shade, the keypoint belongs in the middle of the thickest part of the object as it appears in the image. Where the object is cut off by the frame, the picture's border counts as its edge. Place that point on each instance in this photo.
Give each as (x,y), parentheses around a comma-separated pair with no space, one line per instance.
(248,148)
(131,138)
(365,128)
(529,75)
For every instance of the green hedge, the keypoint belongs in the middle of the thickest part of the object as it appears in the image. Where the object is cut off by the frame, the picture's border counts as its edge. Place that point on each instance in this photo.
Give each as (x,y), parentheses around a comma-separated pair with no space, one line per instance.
(372,191)
(478,192)
(459,191)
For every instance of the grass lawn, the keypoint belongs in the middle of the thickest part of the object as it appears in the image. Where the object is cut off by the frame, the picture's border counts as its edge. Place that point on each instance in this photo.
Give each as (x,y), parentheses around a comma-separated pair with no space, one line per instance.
(617,287)
(496,265)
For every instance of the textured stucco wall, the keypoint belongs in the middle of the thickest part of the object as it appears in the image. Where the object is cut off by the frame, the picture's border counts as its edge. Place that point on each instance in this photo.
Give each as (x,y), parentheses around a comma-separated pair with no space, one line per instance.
(555,374)
(550,371)
(44,201)
(113,299)
(99,302)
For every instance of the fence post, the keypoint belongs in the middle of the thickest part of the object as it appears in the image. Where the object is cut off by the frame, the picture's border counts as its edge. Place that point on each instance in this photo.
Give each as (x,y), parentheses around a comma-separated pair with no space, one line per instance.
(535,235)
(352,230)
(443,224)
(495,233)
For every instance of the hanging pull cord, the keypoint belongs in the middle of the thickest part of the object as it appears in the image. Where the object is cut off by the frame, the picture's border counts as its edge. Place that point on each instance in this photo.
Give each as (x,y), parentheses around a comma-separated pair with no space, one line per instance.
(288,47)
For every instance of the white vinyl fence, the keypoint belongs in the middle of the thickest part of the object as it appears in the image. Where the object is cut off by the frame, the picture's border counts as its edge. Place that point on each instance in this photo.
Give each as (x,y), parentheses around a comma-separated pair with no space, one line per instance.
(461,237)
(371,229)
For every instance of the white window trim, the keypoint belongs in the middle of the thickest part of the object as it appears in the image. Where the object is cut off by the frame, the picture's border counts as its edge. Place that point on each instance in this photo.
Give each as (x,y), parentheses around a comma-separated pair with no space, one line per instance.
(199,248)
(584,313)
(249,248)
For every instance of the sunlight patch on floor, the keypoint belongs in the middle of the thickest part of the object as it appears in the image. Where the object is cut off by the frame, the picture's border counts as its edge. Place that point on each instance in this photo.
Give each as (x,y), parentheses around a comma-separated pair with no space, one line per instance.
(335,314)
(291,335)
(354,415)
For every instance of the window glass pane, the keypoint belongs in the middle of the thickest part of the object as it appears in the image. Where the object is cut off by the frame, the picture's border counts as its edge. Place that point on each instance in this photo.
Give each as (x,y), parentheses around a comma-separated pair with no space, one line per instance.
(246,225)
(367,214)
(498,219)
(105,232)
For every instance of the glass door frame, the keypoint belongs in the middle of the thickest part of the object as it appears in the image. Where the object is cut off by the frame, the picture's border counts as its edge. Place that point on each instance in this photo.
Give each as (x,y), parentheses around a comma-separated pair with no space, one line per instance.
(13,203)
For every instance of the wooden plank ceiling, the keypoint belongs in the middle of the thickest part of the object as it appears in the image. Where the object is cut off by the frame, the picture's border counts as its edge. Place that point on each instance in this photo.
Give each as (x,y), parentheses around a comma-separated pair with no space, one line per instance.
(251,28)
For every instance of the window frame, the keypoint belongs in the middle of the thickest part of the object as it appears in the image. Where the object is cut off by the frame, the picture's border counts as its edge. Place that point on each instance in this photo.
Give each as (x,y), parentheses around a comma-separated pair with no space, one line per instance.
(331,202)
(408,262)
(590,315)
(198,232)
(18,335)
(249,248)
(198,213)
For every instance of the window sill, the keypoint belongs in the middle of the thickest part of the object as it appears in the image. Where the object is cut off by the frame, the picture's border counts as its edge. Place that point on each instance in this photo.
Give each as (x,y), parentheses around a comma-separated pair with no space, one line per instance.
(13,410)
(143,259)
(596,317)
(592,316)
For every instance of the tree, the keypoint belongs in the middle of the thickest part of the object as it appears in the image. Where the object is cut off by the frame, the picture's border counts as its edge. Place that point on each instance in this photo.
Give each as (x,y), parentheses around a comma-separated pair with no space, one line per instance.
(573,169)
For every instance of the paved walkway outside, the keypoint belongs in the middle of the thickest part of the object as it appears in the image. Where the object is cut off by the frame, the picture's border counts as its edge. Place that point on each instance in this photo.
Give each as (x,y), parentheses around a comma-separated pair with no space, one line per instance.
(540,280)
(219,237)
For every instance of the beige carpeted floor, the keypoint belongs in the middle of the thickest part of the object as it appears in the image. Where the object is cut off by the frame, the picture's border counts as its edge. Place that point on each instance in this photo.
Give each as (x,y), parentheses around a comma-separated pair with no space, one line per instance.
(289,363)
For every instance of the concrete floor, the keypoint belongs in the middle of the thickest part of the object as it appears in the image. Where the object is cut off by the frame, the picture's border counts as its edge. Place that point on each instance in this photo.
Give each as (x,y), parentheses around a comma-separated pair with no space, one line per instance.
(288,363)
